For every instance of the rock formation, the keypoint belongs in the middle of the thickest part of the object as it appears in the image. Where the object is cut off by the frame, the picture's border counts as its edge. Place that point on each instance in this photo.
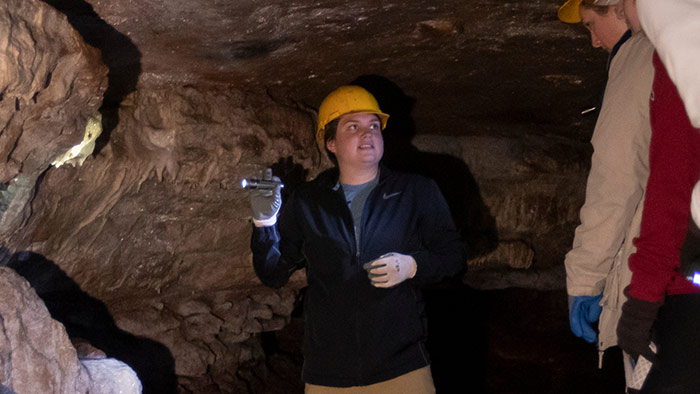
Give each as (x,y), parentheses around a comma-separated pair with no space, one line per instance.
(36,355)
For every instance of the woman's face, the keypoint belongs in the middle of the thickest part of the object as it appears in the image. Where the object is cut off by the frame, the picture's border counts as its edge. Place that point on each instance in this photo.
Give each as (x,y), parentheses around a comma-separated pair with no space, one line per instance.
(358,141)
(606,29)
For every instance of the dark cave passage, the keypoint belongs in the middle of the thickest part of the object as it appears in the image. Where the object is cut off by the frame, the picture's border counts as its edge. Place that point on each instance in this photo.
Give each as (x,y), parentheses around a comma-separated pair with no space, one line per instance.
(510,341)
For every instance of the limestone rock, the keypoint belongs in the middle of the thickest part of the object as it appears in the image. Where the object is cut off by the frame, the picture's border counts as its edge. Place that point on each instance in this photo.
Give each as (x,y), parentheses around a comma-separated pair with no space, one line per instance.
(212,333)
(515,254)
(527,189)
(160,209)
(111,376)
(465,64)
(36,355)
(51,82)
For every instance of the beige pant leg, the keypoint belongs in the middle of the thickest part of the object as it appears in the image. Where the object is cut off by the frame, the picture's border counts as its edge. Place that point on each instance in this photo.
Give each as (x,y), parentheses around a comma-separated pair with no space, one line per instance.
(419,381)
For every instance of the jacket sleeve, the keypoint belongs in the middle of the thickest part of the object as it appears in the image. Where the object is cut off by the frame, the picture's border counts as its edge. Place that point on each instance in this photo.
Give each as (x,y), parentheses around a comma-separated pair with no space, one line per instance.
(675,167)
(618,174)
(443,253)
(271,266)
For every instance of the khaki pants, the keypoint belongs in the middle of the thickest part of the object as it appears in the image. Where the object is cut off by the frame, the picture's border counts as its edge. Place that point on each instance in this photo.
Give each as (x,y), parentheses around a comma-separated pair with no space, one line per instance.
(419,381)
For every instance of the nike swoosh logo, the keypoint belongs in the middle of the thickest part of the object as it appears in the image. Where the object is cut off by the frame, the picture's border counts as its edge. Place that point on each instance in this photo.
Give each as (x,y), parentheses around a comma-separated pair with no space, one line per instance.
(388,196)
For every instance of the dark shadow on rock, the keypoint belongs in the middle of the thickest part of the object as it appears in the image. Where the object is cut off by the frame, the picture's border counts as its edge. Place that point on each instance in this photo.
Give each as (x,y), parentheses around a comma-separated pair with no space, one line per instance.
(470,214)
(455,334)
(290,173)
(5,390)
(121,56)
(88,319)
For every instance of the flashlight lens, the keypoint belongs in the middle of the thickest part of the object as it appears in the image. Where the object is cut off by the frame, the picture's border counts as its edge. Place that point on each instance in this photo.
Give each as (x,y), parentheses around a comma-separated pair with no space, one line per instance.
(696,278)
(244,183)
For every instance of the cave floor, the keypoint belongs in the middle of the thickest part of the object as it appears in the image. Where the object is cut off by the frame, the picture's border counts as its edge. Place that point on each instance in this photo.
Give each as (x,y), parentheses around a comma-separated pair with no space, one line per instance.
(512,341)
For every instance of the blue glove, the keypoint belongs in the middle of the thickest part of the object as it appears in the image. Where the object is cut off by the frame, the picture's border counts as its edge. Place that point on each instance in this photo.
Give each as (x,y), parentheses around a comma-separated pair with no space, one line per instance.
(583,311)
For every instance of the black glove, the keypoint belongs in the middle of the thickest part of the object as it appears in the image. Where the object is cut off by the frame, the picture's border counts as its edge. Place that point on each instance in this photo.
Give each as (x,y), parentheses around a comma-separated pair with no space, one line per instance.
(634,327)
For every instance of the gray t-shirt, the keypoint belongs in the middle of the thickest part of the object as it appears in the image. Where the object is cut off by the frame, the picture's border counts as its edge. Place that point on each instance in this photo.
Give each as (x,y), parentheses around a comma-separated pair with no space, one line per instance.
(356,196)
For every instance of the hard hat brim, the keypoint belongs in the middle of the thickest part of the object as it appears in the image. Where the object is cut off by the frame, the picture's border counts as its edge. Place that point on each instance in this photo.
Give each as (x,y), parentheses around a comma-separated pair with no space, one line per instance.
(321,132)
(569,12)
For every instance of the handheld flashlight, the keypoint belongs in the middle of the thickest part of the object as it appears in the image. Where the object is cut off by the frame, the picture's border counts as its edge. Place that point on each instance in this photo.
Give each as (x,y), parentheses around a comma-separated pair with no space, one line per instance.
(690,268)
(695,278)
(253,183)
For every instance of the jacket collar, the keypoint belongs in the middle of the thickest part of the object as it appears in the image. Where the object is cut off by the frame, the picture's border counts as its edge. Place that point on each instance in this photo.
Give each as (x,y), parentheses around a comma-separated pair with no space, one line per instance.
(331,177)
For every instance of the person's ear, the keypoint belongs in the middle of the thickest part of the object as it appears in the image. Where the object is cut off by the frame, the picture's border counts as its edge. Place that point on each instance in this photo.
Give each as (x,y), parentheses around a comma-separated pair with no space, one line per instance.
(330,145)
(619,11)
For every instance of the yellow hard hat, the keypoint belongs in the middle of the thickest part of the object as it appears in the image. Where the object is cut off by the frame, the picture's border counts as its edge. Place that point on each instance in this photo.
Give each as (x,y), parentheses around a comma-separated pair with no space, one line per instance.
(346,100)
(569,12)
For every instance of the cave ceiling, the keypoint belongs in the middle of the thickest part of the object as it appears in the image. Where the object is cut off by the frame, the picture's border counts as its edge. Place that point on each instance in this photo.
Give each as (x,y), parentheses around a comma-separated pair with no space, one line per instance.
(470,67)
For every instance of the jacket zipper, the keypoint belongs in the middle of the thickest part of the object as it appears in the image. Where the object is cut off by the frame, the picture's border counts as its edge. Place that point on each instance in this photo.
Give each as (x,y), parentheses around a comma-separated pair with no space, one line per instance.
(356,242)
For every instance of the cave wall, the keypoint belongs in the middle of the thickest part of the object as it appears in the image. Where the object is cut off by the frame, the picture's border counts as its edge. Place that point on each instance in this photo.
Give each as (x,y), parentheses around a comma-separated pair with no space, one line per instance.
(153,223)
(160,208)
(160,228)
(50,84)
(35,352)
(531,190)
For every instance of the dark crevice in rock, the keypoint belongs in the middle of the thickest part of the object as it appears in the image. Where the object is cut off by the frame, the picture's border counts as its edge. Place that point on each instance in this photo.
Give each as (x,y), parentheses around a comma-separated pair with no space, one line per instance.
(121,56)
(87,319)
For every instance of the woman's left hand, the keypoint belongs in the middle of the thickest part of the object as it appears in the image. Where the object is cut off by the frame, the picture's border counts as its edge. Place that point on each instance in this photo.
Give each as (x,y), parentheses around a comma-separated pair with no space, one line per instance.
(390,269)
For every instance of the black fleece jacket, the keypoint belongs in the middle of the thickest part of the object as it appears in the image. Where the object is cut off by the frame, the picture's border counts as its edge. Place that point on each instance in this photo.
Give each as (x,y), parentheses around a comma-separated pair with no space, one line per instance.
(357,334)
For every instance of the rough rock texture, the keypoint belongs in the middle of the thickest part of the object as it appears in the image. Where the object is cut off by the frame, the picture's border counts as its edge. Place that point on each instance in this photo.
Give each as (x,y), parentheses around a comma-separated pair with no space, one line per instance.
(164,240)
(50,83)
(142,251)
(110,376)
(471,66)
(214,337)
(36,355)
(161,208)
(530,185)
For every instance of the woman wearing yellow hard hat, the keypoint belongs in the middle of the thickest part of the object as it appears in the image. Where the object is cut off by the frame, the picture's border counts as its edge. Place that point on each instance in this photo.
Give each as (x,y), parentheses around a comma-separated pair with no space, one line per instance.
(369,239)
(602,18)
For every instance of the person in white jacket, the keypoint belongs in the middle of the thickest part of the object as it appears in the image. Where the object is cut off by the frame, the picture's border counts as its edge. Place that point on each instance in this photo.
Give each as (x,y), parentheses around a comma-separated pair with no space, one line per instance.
(597,267)
(674,29)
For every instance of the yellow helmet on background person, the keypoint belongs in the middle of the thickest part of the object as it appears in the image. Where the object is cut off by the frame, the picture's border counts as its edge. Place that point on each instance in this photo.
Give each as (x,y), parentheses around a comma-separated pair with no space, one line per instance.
(345,100)
(569,11)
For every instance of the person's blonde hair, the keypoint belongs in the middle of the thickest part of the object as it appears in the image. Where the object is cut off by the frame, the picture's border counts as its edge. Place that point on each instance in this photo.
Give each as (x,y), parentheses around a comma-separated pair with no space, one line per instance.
(591,5)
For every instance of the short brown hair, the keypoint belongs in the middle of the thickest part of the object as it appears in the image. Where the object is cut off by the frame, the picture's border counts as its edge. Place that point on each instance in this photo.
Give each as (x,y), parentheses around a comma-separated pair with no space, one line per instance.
(329,133)
(598,9)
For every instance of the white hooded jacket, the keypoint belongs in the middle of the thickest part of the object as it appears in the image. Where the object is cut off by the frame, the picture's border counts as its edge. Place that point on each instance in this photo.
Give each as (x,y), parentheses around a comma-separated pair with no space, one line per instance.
(674,28)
